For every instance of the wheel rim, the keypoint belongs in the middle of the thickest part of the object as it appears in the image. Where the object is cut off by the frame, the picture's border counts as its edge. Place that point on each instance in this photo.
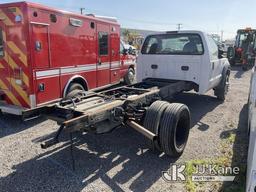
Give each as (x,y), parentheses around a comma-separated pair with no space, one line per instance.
(131,76)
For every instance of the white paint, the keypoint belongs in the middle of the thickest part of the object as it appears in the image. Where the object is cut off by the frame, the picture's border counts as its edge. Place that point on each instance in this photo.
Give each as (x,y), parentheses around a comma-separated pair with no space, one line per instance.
(51,72)
(201,70)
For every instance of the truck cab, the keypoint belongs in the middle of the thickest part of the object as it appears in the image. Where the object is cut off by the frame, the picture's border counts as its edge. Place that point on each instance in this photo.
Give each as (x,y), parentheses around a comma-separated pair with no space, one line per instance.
(184,55)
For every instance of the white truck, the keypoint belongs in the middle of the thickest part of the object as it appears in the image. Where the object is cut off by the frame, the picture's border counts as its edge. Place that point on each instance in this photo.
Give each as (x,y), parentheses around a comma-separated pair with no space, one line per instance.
(185,55)
(251,160)
(169,63)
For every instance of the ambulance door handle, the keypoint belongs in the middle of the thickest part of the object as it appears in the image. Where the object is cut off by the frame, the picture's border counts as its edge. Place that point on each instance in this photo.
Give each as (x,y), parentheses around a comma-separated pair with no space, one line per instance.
(38,46)
(99,61)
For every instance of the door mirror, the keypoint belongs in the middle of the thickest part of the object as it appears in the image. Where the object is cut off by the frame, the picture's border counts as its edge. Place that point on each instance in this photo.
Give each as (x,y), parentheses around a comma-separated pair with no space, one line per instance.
(130,50)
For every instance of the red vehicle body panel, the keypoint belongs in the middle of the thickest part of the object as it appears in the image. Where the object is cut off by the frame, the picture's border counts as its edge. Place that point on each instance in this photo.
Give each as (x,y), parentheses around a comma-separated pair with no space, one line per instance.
(44,49)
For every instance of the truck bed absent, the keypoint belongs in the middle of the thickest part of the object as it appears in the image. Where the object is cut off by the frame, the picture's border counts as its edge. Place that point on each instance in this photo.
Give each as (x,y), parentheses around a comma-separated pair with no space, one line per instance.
(169,63)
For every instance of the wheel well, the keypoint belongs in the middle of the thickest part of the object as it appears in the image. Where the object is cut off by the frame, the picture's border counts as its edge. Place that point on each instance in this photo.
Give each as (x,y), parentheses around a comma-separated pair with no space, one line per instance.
(131,66)
(79,80)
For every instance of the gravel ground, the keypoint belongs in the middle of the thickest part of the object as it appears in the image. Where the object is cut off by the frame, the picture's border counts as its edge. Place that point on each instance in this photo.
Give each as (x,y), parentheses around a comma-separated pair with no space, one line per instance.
(120,161)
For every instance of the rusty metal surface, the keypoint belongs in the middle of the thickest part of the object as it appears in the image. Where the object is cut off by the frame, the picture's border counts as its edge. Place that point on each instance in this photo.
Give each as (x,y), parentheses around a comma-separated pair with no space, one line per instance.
(141,130)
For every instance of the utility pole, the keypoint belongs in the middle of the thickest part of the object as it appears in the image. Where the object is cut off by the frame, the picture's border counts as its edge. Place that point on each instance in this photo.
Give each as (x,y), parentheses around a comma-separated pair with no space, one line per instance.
(221,35)
(82,11)
(179,26)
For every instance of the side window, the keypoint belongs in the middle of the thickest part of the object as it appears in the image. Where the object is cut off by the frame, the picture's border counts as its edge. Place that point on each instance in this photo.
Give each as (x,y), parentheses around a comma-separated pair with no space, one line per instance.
(103,43)
(149,45)
(1,43)
(213,49)
(53,18)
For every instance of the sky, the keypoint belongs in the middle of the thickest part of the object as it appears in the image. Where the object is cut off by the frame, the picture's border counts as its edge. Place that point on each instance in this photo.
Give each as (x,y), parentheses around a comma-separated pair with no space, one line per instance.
(212,16)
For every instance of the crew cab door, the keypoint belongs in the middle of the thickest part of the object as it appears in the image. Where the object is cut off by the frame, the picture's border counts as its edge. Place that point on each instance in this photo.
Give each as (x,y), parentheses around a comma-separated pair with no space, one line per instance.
(216,64)
(103,60)
(4,67)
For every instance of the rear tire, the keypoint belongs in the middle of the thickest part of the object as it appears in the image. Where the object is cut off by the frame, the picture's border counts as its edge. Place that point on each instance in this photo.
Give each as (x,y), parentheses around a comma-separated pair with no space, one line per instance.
(174,129)
(75,90)
(221,91)
(152,120)
(129,77)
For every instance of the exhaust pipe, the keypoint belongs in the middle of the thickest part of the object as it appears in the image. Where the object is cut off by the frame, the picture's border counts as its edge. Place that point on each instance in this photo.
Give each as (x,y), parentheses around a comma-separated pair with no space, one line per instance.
(141,130)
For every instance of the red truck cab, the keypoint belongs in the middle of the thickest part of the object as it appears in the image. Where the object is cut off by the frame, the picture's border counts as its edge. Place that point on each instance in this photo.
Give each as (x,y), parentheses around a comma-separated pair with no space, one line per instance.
(46,53)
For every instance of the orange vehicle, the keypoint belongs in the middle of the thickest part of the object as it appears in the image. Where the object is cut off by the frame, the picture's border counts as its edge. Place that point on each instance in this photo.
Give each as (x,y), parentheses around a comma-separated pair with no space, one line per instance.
(48,54)
(243,51)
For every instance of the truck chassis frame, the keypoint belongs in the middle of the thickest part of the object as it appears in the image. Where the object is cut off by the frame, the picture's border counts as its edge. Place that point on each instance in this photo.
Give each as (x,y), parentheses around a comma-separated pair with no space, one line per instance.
(102,111)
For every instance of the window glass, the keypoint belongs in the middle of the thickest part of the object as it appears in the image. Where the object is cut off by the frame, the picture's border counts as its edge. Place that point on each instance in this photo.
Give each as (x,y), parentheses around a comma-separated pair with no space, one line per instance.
(103,43)
(213,48)
(245,39)
(173,44)
(1,43)
(92,25)
(53,18)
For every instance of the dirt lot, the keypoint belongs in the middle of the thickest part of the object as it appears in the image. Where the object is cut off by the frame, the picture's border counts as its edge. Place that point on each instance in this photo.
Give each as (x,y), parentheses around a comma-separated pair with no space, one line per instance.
(120,161)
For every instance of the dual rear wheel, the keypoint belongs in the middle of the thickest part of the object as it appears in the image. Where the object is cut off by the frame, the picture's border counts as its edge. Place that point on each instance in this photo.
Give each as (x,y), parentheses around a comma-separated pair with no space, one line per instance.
(171,123)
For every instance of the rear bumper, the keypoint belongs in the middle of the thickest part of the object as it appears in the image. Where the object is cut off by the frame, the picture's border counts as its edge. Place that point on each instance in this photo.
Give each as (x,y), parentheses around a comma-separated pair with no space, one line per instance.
(11,109)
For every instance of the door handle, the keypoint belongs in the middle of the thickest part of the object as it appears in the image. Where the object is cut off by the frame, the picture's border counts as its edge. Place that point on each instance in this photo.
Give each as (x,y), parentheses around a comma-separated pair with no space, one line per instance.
(154,66)
(184,68)
(213,65)
(99,61)
(38,46)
